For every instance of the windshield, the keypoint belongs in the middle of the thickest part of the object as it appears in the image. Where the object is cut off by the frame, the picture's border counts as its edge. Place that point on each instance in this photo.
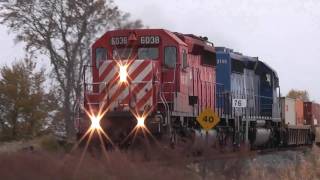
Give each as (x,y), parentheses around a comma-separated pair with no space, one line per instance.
(122,53)
(148,53)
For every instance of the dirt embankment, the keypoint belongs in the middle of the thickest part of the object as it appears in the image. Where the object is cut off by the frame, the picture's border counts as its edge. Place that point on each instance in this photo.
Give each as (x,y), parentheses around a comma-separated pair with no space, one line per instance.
(39,163)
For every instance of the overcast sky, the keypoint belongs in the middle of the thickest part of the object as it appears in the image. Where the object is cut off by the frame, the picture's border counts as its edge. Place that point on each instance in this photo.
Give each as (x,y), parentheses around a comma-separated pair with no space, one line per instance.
(283,33)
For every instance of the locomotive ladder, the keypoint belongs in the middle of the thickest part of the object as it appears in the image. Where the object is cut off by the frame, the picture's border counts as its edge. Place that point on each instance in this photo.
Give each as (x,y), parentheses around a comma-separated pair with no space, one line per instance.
(168,114)
(167,109)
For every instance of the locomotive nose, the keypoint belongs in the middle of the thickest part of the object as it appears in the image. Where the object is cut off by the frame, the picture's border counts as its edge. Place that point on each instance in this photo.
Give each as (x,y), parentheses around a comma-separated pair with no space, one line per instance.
(128,85)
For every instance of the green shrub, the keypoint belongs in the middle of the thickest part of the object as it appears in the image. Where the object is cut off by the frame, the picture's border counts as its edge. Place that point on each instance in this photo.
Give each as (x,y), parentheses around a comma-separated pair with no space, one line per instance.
(49,143)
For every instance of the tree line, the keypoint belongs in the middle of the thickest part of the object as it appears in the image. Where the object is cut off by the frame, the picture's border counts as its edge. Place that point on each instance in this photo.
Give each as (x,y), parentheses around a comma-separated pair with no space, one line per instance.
(61,31)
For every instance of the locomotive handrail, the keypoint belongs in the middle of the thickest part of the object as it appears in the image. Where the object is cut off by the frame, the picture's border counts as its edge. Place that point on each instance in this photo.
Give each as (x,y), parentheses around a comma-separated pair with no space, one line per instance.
(94,83)
(91,103)
(137,82)
(131,82)
(167,92)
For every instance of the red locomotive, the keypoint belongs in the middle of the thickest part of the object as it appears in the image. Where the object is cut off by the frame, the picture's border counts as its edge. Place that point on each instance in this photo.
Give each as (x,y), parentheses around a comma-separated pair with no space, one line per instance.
(150,76)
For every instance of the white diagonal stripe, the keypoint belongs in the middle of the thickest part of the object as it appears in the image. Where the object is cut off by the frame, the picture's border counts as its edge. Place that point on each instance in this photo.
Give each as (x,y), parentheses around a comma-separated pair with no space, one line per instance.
(144,73)
(123,94)
(149,101)
(113,89)
(142,92)
(134,65)
(108,78)
(103,66)
(140,77)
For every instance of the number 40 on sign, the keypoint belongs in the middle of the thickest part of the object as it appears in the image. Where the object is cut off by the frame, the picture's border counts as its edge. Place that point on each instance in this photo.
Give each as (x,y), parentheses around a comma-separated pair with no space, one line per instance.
(208,119)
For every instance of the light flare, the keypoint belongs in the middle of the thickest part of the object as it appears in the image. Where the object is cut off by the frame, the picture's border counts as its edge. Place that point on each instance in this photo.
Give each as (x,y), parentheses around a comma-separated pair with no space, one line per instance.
(95,127)
(123,73)
(141,119)
(140,122)
(123,65)
(140,126)
(95,122)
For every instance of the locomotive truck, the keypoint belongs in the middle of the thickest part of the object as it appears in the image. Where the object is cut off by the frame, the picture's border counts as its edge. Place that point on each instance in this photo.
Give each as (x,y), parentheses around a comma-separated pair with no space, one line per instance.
(166,79)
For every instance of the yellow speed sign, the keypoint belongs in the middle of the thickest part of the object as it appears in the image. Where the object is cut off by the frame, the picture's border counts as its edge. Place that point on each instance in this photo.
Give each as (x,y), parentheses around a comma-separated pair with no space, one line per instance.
(208,119)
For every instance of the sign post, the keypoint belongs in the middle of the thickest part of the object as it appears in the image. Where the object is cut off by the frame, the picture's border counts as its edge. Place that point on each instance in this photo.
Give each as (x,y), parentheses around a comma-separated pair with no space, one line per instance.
(238,104)
(207,119)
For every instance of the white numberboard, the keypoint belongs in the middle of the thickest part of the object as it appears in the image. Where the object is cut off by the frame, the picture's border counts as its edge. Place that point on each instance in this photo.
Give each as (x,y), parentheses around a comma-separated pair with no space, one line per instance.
(239,103)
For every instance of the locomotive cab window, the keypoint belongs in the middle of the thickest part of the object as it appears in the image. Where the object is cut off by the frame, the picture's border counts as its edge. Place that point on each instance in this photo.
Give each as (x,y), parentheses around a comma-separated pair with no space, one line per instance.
(267,80)
(148,53)
(184,59)
(237,66)
(101,55)
(170,56)
(209,58)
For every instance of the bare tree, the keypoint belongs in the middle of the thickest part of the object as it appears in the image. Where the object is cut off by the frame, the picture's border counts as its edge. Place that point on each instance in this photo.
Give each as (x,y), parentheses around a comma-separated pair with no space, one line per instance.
(63,30)
(299,94)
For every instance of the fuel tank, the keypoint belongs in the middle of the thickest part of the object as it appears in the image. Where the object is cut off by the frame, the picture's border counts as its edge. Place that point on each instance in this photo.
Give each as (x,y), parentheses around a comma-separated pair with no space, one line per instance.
(260,136)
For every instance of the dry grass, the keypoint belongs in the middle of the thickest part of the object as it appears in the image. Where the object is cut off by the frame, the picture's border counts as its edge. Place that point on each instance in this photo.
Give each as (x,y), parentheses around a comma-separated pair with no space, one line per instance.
(117,165)
(154,164)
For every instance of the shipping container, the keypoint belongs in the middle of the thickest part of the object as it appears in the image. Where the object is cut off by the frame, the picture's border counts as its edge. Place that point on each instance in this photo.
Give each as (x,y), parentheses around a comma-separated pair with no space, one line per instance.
(317,134)
(288,107)
(299,112)
(312,113)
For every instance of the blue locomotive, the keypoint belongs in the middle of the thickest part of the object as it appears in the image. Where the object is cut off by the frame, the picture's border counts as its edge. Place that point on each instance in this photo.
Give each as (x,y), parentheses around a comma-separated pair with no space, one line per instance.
(259,122)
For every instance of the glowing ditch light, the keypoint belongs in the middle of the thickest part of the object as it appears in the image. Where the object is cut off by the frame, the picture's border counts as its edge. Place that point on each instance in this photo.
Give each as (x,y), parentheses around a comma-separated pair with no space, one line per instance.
(95,122)
(123,73)
(140,122)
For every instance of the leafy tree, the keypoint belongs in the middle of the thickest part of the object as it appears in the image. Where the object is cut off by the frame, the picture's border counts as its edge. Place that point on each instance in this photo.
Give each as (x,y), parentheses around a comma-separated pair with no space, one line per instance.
(63,31)
(24,106)
(299,94)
